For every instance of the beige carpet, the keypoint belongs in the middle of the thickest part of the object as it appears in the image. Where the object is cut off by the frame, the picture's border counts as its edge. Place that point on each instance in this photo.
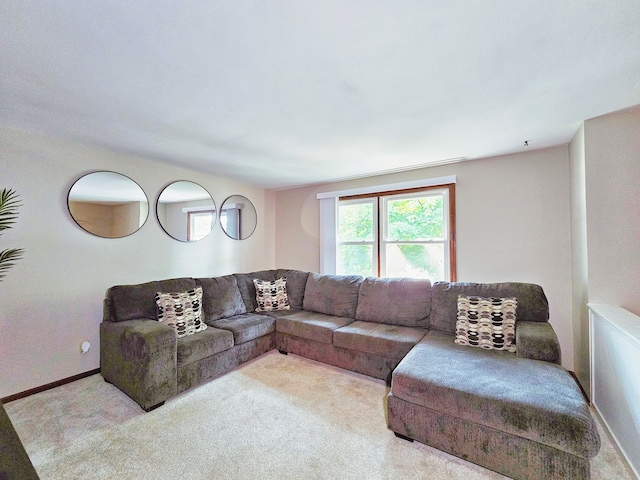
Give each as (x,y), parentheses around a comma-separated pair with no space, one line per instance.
(278,416)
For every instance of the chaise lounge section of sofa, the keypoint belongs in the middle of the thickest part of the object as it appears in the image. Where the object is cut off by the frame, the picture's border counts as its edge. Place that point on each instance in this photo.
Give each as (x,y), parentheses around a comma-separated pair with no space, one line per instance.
(520,414)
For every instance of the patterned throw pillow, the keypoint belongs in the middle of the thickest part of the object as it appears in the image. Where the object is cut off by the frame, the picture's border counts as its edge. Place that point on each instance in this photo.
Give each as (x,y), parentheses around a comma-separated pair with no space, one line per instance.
(488,323)
(181,311)
(271,295)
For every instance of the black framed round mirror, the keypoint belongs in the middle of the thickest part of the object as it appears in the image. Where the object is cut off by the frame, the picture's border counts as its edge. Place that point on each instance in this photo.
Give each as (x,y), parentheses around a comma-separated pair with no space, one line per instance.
(108,204)
(238,217)
(186,211)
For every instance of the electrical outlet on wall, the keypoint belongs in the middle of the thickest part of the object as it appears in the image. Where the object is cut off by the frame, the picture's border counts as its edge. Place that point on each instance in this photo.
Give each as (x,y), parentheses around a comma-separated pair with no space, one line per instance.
(84,348)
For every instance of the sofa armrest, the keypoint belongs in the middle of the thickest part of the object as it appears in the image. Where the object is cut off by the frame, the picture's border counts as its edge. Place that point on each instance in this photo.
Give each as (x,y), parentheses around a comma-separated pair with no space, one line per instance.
(537,341)
(14,461)
(140,358)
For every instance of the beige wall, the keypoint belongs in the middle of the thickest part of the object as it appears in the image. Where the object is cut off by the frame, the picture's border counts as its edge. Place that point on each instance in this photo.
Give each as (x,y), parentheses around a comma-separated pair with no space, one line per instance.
(513,224)
(109,220)
(126,217)
(605,222)
(95,217)
(52,299)
(612,157)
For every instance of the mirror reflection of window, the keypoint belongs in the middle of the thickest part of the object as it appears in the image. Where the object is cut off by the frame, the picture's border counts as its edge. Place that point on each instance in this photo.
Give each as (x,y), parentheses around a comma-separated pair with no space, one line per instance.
(223,220)
(186,211)
(238,217)
(232,223)
(200,224)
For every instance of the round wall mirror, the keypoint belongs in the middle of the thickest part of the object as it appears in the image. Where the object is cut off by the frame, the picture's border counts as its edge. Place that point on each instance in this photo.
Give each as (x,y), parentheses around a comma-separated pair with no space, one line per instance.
(108,204)
(186,211)
(238,217)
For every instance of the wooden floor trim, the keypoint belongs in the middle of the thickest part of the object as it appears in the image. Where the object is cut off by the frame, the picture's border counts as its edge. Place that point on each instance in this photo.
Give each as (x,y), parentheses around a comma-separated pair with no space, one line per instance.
(48,386)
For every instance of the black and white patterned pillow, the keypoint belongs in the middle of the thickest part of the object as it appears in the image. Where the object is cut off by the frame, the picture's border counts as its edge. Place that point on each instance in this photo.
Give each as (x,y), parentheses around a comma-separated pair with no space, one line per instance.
(488,323)
(271,295)
(182,311)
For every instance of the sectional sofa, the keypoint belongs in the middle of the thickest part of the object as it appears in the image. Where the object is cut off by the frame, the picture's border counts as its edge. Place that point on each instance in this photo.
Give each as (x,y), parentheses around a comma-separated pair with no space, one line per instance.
(15,464)
(518,413)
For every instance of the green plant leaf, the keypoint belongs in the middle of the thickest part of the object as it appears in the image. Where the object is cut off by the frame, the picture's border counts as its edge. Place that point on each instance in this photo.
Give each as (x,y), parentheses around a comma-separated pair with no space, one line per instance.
(9,204)
(7,259)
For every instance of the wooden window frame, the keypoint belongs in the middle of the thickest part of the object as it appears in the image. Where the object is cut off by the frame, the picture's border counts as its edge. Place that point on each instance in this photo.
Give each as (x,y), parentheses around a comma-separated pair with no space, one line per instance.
(451,193)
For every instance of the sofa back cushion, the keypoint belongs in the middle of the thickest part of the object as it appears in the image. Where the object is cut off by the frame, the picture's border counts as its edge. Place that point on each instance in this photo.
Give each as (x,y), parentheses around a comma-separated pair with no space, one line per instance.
(332,294)
(532,302)
(396,301)
(221,297)
(296,284)
(248,289)
(130,302)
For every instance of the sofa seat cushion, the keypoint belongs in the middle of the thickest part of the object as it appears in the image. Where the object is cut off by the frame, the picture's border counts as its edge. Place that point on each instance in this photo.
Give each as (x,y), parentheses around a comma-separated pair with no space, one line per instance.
(203,344)
(532,399)
(281,313)
(311,325)
(247,326)
(396,301)
(391,341)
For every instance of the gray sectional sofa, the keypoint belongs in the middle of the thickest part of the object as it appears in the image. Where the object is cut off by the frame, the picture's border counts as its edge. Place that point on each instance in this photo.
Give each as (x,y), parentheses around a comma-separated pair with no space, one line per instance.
(520,414)
(15,464)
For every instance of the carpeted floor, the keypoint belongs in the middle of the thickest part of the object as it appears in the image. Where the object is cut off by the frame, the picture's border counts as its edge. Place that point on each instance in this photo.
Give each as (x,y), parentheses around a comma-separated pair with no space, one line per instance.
(278,416)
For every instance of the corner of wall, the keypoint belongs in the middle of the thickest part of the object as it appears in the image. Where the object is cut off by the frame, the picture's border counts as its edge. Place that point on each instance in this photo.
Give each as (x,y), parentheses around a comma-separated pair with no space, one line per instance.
(579,258)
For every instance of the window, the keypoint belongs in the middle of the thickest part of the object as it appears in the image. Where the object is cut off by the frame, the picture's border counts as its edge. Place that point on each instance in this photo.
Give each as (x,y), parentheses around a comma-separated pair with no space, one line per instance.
(357,238)
(200,224)
(407,233)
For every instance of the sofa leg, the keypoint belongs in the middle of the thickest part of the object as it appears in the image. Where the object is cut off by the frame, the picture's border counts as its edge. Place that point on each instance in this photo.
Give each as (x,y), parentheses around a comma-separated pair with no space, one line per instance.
(403,437)
(283,352)
(154,407)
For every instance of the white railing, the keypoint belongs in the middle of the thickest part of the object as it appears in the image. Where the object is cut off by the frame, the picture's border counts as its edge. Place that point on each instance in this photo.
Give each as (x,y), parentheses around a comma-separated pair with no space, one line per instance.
(614,343)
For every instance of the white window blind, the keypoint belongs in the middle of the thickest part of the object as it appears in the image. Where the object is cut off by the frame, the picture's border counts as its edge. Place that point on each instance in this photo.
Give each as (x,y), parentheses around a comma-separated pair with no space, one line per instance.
(328,229)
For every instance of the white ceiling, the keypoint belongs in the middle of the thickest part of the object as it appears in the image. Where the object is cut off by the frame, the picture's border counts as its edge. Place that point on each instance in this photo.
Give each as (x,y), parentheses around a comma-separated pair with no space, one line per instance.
(183,191)
(284,93)
(106,188)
